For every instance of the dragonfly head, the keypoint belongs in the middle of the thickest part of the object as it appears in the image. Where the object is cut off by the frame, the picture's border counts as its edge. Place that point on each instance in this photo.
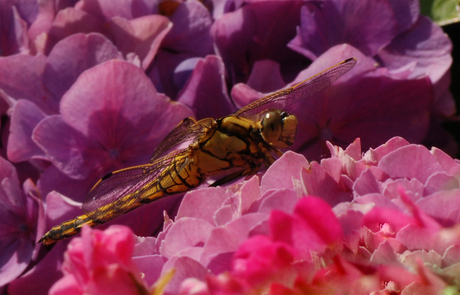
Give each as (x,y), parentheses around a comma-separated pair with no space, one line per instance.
(278,128)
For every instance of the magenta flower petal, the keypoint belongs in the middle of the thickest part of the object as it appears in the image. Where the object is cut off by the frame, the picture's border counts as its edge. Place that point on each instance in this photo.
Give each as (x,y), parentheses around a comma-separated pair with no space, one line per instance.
(100,262)
(25,117)
(313,226)
(205,92)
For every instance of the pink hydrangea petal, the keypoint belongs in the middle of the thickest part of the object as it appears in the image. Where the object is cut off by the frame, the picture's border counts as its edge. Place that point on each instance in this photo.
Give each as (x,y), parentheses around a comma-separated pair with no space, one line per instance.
(283,200)
(150,266)
(283,171)
(185,233)
(443,206)
(318,183)
(185,268)
(420,164)
(227,238)
(207,200)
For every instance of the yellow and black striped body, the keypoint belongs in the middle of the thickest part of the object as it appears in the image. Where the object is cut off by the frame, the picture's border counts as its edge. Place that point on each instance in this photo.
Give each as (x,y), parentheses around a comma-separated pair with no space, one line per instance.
(230,142)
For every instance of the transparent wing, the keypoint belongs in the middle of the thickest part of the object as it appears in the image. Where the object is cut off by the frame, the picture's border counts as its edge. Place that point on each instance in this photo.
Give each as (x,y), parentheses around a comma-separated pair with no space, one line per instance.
(124,182)
(187,130)
(283,98)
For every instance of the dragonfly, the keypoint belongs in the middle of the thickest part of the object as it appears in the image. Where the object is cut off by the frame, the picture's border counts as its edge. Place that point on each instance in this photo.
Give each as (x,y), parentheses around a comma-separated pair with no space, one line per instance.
(239,145)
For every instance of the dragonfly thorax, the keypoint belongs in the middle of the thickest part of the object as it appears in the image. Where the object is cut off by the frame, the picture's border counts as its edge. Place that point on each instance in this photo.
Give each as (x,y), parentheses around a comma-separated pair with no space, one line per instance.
(278,128)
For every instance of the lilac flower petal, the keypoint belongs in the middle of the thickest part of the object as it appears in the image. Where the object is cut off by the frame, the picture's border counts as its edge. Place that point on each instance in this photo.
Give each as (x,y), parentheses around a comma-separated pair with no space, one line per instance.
(53,179)
(206,92)
(259,31)
(185,233)
(336,23)
(282,173)
(190,32)
(406,13)
(68,153)
(86,52)
(127,9)
(59,208)
(206,200)
(266,76)
(141,36)
(342,118)
(432,56)
(13,30)
(20,77)
(26,115)
(72,21)
(400,164)
(43,275)
(15,258)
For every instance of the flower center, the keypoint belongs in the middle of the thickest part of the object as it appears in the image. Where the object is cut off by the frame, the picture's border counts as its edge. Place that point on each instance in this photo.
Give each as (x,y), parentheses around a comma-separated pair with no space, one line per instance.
(326,134)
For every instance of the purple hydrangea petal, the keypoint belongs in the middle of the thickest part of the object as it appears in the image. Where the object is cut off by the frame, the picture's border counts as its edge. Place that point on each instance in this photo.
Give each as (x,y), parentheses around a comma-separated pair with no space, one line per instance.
(206,92)
(86,52)
(431,55)
(35,279)
(335,23)
(141,36)
(258,31)
(26,115)
(13,30)
(127,9)
(67,153)
(72,21)
(20,77)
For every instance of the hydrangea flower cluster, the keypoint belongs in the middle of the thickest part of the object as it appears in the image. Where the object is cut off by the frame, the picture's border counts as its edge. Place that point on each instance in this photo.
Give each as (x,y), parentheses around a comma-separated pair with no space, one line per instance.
(91,86)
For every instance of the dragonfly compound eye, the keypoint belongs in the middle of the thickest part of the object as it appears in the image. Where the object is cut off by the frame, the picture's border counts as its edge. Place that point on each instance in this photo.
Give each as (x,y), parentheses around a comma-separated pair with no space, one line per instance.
(272,126)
